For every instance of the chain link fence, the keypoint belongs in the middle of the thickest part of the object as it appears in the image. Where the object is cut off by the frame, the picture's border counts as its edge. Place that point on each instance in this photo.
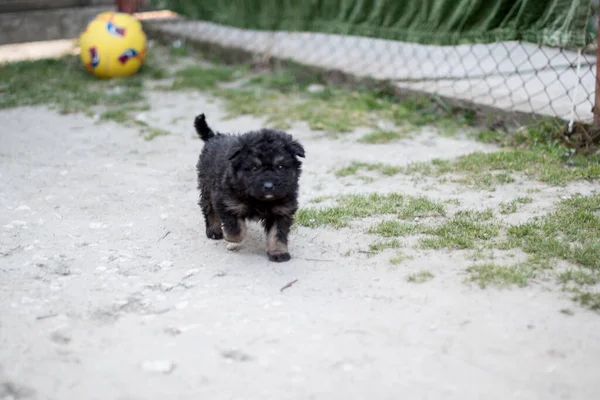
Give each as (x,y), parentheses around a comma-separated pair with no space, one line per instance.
(521,81)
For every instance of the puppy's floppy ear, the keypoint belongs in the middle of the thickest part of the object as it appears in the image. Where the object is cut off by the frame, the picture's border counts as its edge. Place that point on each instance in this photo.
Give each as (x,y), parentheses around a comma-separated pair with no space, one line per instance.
(296,148)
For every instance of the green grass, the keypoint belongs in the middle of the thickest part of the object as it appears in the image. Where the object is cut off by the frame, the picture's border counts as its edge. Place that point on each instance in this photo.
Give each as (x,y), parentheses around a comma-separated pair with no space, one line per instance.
(399,258)
(384,245)
(512,206)
(355,167)
(153,133)
(64,84)
(571,233)
(500,276)
(464,230)
(393,229)
(319,199)
(383,137)
(283,98)
(420,277)
(123,114)
(359,206)
(487,170)
(588,299)
(204,78)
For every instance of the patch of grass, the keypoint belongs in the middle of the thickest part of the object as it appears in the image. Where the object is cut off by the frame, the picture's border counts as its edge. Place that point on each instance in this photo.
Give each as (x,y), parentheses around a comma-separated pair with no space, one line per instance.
(355,167)
(199,78)
(62,83)
(512,206)
(393,229)
(501,276)
(153,133)
(382,137)
(550,165)
(123,114)
(399,258)
(359,206)
(579,277)
(283,97)
(319,199)
(420,277)
(570,233)
(285,80)
(567,311)
(388,244)
(464,230)
(588,299)
(179,49)
(508,208)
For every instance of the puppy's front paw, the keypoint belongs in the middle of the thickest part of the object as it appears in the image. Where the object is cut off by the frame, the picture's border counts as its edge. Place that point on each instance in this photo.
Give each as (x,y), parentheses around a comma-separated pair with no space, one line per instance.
(279,257)
(214,234)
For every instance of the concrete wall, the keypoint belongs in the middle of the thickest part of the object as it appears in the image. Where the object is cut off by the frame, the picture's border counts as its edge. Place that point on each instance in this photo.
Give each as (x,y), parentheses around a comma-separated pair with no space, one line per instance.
(49,24)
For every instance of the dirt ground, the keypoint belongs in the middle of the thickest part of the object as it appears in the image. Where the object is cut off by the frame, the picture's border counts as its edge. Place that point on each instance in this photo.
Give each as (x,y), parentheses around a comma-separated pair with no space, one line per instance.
(110,290)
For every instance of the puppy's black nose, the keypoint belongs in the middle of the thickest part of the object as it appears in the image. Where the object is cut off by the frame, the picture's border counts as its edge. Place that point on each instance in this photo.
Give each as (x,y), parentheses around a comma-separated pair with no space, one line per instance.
(268,185)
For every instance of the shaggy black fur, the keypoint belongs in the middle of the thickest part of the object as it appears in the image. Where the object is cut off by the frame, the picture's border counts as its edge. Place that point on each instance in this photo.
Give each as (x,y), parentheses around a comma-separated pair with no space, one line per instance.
(253,176)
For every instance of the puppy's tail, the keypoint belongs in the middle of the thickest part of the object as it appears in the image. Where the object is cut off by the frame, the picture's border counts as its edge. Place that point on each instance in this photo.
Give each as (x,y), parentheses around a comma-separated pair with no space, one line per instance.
(202,128)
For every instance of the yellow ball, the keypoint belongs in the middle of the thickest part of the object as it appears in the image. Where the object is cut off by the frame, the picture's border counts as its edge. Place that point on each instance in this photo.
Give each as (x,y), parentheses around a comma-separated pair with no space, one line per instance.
(113,45)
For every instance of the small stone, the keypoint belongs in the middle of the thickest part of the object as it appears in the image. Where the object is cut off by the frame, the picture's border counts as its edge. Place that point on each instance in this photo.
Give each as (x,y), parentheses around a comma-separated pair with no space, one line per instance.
(97,225)
(23,208)
(159,366)
(165,264)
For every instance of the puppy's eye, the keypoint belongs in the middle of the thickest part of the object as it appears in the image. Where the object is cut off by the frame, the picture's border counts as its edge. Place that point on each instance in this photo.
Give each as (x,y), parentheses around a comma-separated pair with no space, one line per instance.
(255,168)
(280,166)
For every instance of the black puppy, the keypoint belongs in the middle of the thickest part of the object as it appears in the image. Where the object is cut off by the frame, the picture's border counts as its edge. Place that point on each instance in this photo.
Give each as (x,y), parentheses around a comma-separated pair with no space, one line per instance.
(253,176)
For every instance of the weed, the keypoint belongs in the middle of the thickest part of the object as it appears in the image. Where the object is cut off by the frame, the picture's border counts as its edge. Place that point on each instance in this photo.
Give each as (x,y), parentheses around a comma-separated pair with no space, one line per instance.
(62,83)
(123,114)
(420,277)
(465,230)
(199,78)
(359,206)
(380,246)
(487,170)
(571,233)
(319,199)
(399,258)
(512,206)
(588,299)
(499,275)
(353,168)
(153,133)
(393,229)
(381,137)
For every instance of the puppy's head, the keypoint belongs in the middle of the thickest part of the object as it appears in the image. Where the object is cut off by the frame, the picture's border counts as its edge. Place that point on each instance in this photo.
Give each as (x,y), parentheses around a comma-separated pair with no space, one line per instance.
(265,165)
